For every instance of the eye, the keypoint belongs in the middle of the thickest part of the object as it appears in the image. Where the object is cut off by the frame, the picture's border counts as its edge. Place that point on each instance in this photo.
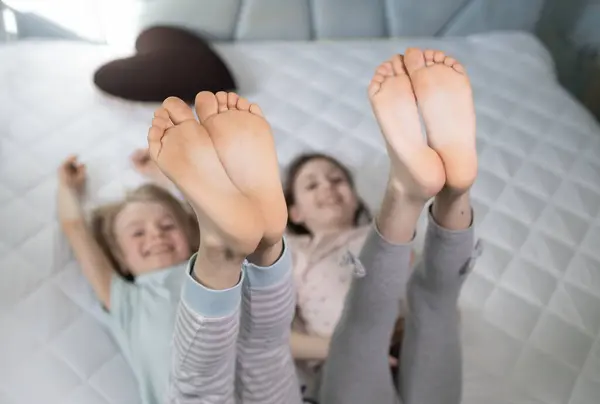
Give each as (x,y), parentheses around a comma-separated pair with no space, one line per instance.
(310,186)
(337,180)
(138,233)
(167,226)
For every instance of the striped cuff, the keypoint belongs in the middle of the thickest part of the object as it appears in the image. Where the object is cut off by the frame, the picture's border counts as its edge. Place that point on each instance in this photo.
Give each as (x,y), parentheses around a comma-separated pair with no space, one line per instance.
(208,302)
(261,277)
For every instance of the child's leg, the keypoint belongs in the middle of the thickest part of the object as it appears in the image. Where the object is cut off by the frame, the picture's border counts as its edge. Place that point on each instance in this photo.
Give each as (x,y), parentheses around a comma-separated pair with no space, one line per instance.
(431,362)
(227,169)
(357,369)
(265,371)
(204,346)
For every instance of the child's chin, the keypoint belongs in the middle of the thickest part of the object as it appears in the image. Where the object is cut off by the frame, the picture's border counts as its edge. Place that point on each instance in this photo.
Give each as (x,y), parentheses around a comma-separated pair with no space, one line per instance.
(163,261)
(337,217)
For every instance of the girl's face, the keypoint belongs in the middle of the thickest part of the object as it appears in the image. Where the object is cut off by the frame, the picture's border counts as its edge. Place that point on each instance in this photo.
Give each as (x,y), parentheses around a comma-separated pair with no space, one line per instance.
(150,238)
(324,200)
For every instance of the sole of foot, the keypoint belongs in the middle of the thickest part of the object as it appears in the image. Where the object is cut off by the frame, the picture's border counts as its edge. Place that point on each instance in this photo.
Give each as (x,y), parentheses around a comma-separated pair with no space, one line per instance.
(183,150)
(244,143)
(415,167)
(444,96)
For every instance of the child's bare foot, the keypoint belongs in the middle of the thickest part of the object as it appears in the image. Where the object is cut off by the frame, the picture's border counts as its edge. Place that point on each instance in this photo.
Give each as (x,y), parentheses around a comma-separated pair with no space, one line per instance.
(416,168)
(444,96)
(184,151)
(245,146)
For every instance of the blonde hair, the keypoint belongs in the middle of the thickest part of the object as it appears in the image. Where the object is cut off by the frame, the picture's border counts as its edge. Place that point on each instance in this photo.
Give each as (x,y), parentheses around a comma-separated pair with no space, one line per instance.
(103,222)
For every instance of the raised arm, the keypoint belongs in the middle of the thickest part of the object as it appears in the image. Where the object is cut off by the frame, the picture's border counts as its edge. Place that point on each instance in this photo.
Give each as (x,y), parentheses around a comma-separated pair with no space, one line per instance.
(95,265)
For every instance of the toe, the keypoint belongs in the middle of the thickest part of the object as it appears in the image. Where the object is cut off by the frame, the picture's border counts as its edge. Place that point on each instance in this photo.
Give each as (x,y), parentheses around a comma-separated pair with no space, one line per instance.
(414,59)
(398,65)
(177,110)
(438,56)
(449,61)
(222,100)
(206,105)
(429,55)
(161,112)
(232,100)
(385,69)
(255,109)
(155,135)
(243,104)
(161,123)
(375,85)
(459,68)
(378,78)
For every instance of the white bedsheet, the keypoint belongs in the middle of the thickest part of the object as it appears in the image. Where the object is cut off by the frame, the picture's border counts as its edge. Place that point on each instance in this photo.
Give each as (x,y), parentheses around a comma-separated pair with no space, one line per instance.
(531,308)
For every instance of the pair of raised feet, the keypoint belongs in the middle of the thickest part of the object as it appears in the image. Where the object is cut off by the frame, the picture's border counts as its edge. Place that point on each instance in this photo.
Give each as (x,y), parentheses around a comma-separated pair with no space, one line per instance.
(224,160)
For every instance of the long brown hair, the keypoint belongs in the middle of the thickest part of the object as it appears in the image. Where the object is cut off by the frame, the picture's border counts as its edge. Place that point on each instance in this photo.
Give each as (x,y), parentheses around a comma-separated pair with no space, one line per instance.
(103,222)
(362,212)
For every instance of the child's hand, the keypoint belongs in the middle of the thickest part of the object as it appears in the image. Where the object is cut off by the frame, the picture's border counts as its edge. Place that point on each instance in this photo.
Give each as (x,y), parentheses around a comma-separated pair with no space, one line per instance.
(142,163)
(71,177)
(145,166)
(72,174)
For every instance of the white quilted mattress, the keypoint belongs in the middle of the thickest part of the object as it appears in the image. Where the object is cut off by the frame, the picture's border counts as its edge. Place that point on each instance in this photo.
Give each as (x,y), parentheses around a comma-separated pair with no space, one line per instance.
(531,309)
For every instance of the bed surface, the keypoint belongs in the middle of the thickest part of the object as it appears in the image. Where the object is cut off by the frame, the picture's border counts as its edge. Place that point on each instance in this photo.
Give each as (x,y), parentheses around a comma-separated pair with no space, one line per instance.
(531,309)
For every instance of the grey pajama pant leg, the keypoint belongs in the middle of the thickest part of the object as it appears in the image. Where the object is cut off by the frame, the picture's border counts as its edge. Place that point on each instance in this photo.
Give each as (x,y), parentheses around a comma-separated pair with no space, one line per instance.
(357,370)
(431,360)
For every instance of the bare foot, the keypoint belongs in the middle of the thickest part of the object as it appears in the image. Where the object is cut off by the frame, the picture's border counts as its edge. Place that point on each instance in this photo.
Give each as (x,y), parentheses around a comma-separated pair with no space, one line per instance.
(184,151)
(416,168)
(444,96)
(244,143)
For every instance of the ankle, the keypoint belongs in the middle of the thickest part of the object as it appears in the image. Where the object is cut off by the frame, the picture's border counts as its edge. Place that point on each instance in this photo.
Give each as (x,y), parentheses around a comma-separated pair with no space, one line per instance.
(398,216)
(453,210)
(449,194)
(265,256)
(402,194)
(217,268)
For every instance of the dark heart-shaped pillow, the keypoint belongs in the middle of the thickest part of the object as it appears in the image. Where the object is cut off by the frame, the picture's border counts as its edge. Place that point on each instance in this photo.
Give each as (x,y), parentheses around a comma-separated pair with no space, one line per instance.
(169,62)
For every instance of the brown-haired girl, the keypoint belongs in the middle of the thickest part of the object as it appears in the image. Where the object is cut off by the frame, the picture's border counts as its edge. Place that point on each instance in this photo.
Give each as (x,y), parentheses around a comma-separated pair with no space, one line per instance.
(328,224)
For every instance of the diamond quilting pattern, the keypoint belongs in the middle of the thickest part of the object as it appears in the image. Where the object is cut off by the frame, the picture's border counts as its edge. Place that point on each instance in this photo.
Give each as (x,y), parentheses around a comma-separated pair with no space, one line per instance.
(531,308)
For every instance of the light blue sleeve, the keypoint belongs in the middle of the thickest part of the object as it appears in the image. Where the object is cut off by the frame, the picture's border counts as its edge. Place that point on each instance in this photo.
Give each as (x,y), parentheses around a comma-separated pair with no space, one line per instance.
(125,300)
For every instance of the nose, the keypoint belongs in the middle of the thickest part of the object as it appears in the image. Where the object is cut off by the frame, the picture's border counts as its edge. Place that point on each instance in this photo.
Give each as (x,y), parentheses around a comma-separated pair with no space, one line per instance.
(155,232)
(326,186)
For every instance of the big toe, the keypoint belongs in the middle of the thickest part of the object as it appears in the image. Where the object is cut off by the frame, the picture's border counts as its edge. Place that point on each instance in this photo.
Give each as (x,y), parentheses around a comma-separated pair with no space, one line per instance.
(414,59)
(206,105)
(178,110)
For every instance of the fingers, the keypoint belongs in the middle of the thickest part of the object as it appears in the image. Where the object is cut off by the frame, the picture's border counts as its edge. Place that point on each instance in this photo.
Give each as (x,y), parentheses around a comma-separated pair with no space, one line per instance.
(72,165)
(72,173)
(140,156)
